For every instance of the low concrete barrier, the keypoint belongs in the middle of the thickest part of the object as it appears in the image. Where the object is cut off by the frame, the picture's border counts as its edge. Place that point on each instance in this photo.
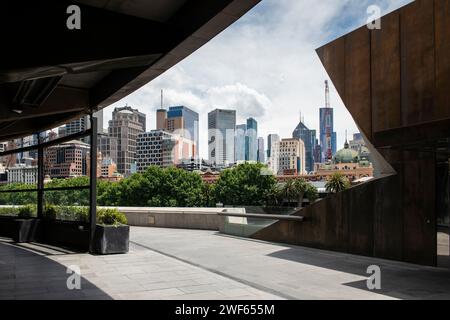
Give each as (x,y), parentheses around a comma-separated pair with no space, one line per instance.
(183,218)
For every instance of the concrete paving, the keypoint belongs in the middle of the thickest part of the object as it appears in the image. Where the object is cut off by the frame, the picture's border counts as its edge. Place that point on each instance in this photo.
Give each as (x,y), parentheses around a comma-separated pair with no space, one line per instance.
(294,272)
(199,265)
(38,272)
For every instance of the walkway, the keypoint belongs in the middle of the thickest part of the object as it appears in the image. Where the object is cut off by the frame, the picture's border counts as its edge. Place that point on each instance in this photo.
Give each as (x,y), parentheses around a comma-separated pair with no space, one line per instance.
(191,264)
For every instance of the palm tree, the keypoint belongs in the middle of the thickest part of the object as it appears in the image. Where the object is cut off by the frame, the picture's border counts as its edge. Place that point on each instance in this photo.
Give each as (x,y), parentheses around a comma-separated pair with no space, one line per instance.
(311,193)
(301,186)
(337,183)
(290,190)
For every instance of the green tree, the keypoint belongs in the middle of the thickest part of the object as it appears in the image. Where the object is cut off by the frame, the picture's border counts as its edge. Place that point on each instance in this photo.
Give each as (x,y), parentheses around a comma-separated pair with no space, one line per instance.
(337,183)
(244,185)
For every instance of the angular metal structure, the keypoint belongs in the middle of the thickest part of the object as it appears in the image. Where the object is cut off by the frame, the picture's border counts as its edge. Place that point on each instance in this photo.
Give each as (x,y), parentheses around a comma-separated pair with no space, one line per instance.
(396,84)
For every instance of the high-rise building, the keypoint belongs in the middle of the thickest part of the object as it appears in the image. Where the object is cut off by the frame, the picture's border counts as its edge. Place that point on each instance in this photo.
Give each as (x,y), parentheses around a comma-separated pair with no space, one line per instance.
(261,150)
(82,124)
(328,138)
(182,121)
(162,149)
(241,131)
(108,146)
(271,139)
(69,159)
(291,157)
(221,136)
(161,119)
(251,140)
(126,125)
(327,135)
(309,138)
(274,159)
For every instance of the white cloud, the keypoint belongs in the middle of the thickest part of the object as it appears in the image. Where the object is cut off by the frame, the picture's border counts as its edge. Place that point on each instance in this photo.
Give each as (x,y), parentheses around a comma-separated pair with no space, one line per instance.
(264,66)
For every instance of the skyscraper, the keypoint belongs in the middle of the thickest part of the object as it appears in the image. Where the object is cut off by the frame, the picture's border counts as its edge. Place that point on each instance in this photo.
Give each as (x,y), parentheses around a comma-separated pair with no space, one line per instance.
(261,150)
(126,125)
(309,138)
(221,136)
(271,139)
(181,120)
(327,135)
(251,140)
(241,131)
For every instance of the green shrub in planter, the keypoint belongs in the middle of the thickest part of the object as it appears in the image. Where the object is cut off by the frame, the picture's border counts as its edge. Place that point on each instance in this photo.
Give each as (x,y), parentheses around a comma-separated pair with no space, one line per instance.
(111,217)
(12,211)
(50,212)
(26,212)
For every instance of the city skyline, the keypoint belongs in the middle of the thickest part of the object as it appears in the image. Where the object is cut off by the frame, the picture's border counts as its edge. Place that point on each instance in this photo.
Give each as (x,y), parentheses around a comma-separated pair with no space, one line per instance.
(249,80)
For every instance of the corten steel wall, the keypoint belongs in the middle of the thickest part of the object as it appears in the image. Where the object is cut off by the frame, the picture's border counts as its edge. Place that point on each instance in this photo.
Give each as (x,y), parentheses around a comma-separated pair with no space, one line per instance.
(396,84)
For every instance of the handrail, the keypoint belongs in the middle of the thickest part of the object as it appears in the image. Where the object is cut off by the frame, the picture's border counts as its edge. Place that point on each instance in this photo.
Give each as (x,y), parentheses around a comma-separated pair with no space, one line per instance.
(263,216)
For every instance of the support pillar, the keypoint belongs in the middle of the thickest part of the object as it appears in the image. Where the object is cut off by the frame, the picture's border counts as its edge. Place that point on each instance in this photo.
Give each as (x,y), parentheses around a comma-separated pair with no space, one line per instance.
(93,182)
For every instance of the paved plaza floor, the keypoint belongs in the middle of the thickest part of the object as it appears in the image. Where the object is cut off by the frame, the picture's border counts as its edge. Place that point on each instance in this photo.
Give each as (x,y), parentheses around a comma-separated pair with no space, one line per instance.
(198,265)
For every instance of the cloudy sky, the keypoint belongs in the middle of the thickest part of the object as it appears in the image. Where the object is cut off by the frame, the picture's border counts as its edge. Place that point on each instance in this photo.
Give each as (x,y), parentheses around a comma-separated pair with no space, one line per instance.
(264,66)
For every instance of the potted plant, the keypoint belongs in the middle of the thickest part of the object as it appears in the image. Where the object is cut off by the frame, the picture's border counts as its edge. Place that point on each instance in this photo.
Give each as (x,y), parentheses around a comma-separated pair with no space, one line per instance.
(66,226)
(112,234)
(25,226)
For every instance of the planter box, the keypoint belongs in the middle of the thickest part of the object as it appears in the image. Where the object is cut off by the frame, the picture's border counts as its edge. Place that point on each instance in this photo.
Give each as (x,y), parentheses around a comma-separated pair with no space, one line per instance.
(66,233)
(7,226)
(111,239)
(25,230)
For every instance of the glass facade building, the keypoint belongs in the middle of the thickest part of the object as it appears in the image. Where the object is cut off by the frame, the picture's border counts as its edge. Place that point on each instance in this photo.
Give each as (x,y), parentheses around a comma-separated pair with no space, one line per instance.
(181,117)
(241,131)
(328,138)
(309,138)
(251,140)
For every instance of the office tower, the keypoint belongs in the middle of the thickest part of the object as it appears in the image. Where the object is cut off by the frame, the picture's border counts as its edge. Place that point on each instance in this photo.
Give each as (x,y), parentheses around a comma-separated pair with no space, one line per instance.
(271,139)
(69,159)
(274,159)
(162,149)
(161,119)
(291,157)
(221,135)
(241,131)
(126,125)
(251,140)
(181,121)
(328,138)
(108,146)
(309,138)
(82,124)
(261,150)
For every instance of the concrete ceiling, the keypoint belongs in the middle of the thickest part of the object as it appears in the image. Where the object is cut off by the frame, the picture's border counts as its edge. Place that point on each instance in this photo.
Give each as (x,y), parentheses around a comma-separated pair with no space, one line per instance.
(50,74)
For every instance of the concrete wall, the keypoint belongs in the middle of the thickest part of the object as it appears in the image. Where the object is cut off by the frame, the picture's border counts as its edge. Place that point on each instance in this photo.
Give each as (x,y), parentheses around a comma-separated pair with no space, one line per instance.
(183,218)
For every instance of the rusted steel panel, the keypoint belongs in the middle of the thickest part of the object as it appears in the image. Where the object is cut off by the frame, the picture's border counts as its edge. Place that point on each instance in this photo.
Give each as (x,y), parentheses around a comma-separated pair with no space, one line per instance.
(442,36)
(419,222)
(386,94)
(357,79)
(417,52)
(333,58)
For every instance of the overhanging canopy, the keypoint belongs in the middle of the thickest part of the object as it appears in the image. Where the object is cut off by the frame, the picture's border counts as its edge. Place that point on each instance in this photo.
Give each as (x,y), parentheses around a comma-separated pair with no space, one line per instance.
(50,74)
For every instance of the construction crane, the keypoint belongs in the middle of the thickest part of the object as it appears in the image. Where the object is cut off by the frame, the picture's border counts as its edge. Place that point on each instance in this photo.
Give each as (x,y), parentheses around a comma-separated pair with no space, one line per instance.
(328,110)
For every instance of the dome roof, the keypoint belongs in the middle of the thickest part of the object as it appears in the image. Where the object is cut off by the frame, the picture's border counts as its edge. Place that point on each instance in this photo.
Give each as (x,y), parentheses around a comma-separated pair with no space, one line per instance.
(346,155)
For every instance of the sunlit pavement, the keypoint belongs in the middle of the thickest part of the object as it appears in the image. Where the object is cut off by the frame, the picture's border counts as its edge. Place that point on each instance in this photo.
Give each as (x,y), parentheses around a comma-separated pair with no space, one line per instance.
(197,265)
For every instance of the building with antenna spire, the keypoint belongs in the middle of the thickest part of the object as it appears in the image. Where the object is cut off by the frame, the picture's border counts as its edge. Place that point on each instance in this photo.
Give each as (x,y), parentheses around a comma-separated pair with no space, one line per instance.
(328,137)
(309,138)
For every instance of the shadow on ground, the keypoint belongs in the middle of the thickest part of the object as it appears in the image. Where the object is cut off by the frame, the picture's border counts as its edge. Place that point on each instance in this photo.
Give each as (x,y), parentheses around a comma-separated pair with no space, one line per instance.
(27,272)
(398,280)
